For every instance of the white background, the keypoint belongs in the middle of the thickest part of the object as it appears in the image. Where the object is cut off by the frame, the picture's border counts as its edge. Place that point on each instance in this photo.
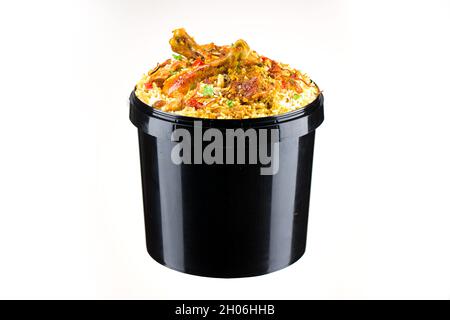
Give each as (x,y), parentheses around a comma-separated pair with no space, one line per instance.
(71,217)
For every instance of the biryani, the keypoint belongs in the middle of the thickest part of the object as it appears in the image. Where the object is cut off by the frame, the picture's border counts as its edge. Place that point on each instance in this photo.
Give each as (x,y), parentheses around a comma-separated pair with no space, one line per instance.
(223,82)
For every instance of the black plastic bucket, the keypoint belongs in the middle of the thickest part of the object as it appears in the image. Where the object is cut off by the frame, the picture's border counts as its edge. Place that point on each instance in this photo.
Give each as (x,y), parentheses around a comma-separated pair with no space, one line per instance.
(226,220)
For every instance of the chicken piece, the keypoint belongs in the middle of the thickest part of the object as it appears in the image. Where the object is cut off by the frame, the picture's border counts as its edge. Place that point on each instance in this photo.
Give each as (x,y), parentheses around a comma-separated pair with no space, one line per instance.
(249,90)
(181,83)
(164,71)
(182,43)
(245,88)
(231,57)
(185,45)
(241,52)
(215,60)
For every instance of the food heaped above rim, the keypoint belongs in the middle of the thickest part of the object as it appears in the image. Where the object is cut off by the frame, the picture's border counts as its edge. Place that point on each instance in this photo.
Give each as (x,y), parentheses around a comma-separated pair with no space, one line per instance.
(223,82)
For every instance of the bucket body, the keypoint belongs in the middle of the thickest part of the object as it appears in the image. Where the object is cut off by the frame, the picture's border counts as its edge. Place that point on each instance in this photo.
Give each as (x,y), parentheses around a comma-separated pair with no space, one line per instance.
(226,219)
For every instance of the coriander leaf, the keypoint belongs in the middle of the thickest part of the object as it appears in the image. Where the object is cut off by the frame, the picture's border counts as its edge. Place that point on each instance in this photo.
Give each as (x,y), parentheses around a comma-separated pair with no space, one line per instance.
(208,90)
(177,57)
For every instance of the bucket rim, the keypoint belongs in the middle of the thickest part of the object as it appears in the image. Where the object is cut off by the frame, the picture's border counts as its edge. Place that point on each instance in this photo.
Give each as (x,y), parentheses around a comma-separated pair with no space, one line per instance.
(140,106)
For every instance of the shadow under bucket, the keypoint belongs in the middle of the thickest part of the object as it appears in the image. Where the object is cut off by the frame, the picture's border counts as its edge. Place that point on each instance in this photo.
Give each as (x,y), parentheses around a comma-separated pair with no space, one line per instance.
(229,219)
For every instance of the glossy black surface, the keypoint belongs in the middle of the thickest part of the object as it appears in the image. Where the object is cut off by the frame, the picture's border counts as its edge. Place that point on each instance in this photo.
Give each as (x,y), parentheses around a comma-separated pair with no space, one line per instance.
(226,220)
